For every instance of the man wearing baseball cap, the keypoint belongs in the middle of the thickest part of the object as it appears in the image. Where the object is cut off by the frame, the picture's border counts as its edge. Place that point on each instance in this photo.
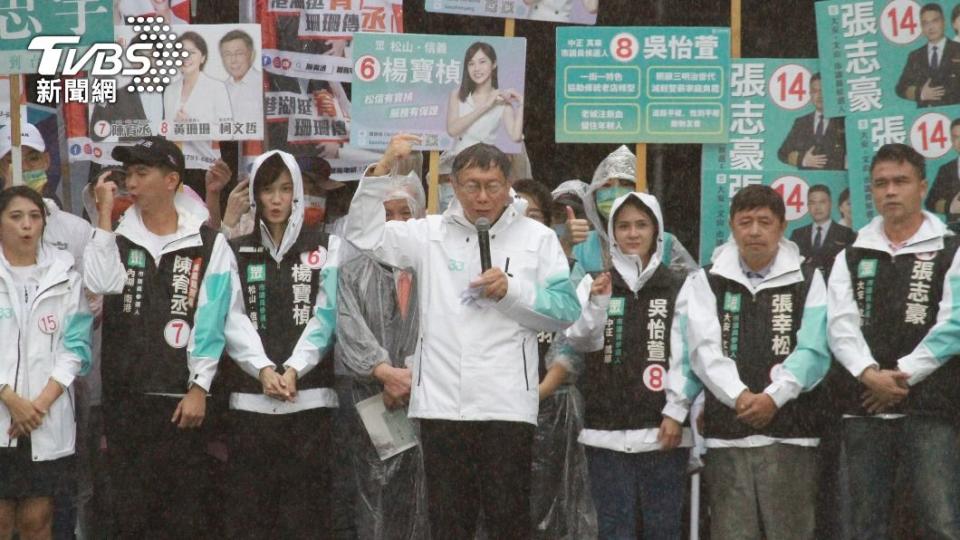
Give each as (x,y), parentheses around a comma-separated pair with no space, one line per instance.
(64,230)
(169,282)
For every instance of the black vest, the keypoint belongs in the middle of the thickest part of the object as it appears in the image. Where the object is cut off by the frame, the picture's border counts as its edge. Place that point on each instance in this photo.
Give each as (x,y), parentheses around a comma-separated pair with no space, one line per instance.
(146,328)
(625,381)
(759,332)
(898,298)
(279,299)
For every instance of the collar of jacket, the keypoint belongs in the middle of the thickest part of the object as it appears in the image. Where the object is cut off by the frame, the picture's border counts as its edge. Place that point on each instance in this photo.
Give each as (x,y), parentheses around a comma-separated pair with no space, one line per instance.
(785,269)
(454,216)
(928,238)
(190,216)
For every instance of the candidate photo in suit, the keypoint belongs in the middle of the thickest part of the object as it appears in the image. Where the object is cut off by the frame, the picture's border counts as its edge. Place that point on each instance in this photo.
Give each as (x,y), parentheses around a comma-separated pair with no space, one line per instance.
(946,185)
(931,76)
(815,141)
(823,239)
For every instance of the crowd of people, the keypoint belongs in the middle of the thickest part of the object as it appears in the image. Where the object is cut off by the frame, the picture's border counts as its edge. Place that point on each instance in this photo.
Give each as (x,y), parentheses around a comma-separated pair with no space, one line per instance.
(560,353)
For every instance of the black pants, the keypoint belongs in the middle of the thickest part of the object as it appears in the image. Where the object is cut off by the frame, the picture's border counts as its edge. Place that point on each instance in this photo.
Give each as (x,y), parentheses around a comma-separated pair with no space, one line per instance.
(159,474)
(278,480)
(474,466)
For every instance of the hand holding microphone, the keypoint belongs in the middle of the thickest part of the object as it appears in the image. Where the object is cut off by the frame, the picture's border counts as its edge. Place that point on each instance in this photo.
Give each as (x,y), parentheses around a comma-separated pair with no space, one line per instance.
(493,281)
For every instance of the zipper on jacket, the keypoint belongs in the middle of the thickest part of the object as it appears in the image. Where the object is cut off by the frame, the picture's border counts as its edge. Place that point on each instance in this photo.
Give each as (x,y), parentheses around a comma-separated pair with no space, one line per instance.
(16,376)
(523,349)
(420,364)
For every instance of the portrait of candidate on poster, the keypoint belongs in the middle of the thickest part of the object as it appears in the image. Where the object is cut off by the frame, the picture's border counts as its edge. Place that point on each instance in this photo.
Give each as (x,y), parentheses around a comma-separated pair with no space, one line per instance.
(451,91)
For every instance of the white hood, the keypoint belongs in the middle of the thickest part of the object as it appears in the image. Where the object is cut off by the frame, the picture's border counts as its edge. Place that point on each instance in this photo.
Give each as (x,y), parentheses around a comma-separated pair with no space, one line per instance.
(295,222)
(631,267)
(571,187)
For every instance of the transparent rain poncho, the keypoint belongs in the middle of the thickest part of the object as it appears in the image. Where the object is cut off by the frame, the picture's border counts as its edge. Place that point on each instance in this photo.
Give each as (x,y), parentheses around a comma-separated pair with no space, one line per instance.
(378,321)
(594,254)
(560,486)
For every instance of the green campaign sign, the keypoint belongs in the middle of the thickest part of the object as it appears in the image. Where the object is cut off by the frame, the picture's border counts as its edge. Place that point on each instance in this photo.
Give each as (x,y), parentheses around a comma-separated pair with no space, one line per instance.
(780,137)
(880,54)
(23,20)
(642,84)
(931,132)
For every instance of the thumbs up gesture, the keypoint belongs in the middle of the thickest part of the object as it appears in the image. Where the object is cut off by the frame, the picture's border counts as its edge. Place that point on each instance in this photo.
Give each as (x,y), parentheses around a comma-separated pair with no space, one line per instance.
(577,229)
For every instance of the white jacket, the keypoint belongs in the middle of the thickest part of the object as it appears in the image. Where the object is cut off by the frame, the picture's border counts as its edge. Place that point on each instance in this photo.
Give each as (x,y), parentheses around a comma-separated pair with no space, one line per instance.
(219,314)
(51,340)
(476,361)
(843,316)
(696,344)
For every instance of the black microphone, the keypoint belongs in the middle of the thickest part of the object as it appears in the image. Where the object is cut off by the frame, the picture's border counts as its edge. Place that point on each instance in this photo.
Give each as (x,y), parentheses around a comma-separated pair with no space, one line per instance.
(483,238)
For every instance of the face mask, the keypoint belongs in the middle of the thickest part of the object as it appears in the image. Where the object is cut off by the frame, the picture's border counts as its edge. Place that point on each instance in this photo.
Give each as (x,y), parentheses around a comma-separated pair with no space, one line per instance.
(35,180)
(560,230)
(314,210)
(606,197)
(446,196)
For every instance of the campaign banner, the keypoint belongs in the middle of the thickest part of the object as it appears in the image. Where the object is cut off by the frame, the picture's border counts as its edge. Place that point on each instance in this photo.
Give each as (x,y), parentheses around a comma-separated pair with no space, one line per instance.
(779,137)
(21,21)
(312,39)
(777,120)
(878,55)
(934,133)
(216,93)
(564,11)
(642,84)
(451,91)
(719,187)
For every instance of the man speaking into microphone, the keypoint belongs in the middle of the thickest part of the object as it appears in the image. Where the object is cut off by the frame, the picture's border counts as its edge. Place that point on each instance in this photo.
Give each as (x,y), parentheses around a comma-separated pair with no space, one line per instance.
(474,373)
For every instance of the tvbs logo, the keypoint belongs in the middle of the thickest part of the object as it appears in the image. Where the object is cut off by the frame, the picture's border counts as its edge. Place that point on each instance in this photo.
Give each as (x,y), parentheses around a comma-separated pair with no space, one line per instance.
(151,58)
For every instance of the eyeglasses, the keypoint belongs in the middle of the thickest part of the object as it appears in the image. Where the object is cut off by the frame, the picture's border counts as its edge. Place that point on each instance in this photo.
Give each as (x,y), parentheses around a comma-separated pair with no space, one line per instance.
(492,188)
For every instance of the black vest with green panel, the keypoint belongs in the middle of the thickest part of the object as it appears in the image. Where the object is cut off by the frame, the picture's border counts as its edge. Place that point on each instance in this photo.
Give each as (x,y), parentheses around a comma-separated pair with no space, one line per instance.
(146,328)
(898,298)
(759,331)
(624,386)
(279,299)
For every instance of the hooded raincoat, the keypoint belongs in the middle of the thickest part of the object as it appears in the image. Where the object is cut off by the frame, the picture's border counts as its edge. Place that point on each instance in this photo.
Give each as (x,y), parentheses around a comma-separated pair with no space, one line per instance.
(378,321)
(594,253)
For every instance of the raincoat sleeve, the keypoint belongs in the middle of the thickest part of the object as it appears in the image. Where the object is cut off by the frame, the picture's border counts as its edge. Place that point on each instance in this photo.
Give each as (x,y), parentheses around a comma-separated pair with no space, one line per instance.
(360,350)
(396,243)
(318,336)
(843,321)
(942,341)
(103,271)
(551,303)
(809,362)
(74,348)
(220,322)
(708,362)
(586,334)
(561,352)
(683,385)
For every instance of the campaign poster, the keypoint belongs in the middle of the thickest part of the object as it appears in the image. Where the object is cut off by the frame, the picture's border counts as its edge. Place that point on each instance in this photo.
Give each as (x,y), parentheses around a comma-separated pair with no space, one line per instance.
(21,21)
(642,84)
(883,55)
(934,133)
(561,11)
(451,91)
(780,137)
(312,39)
(214,93)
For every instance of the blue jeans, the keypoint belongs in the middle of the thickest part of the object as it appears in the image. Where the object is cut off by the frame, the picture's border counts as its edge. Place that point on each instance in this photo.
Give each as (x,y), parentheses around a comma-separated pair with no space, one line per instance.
(928,450)
(618,481)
